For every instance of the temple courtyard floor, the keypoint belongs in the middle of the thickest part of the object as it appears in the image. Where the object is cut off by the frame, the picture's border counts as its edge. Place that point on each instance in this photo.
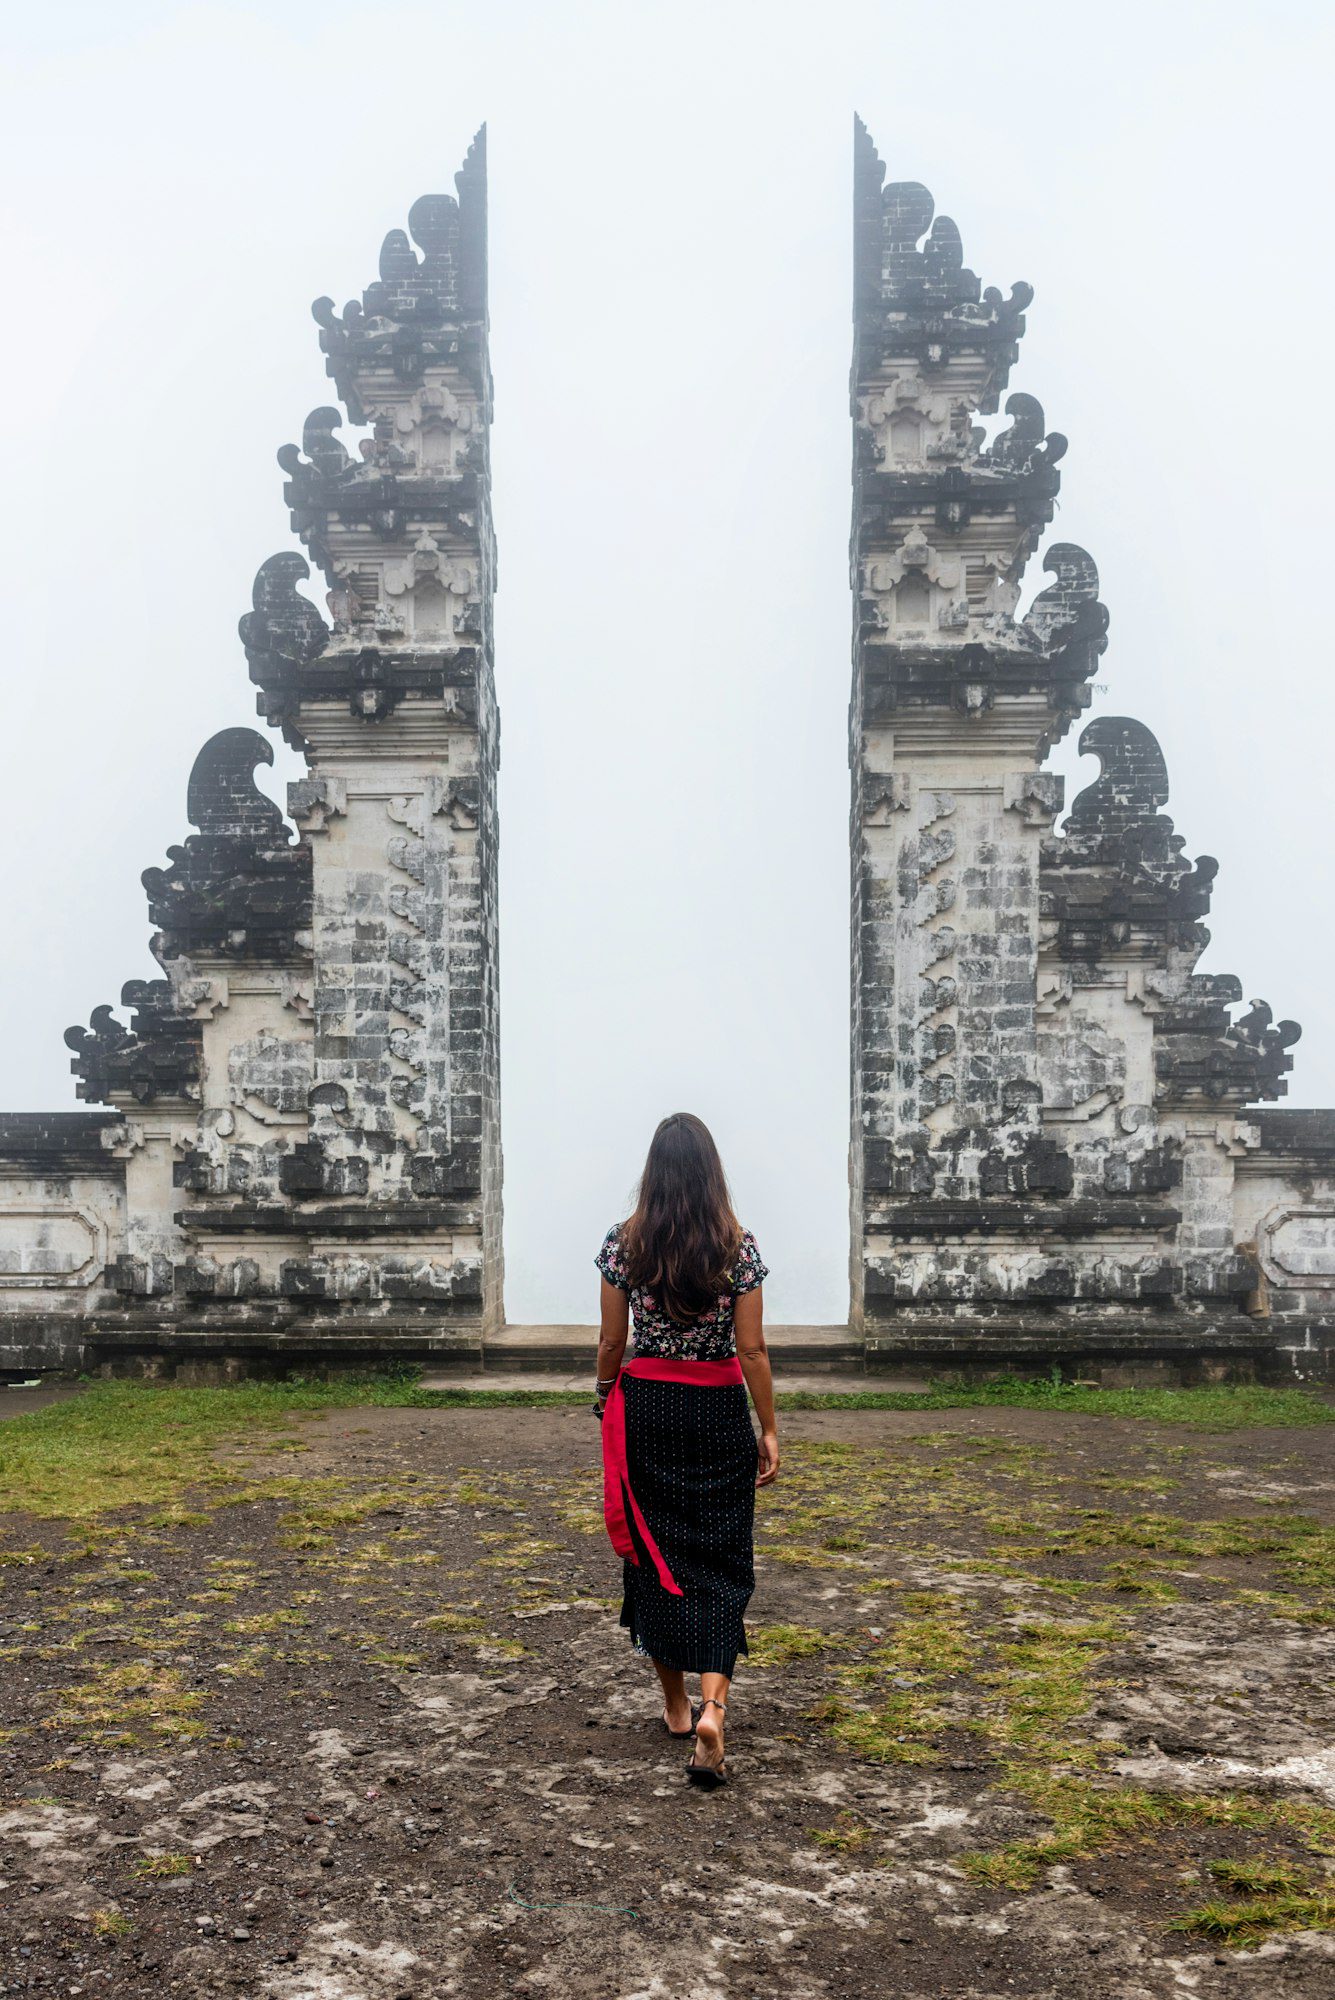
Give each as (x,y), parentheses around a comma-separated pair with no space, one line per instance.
(318,1693)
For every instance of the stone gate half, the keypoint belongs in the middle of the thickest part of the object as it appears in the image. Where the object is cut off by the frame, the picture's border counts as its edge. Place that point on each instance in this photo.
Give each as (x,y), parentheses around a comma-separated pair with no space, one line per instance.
(299,1145)
(1059,1152)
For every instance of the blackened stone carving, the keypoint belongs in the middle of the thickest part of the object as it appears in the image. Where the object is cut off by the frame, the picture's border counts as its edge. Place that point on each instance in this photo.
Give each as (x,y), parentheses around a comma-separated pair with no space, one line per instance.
(327,454)
(283,635)
(156,1056)
(222,797)
(1030,1218)
(1118,870)
(1033,1167)
(1132,784)
(214,1278)
(1255,1027)
(935,303)
(1068,615)
(241,886)
(1199,1051)
(141,1277)
(283,628)
(59,1142)
(1153,1170)
(422,309)
(458,1172)
(1016,449)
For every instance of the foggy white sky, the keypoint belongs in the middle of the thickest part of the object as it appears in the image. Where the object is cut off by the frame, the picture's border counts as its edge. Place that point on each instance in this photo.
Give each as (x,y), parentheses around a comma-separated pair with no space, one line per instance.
(670,278)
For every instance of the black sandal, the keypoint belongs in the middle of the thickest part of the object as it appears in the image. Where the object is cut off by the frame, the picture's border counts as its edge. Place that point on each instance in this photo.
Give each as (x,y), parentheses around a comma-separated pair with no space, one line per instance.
(680,1733)
(708,1776)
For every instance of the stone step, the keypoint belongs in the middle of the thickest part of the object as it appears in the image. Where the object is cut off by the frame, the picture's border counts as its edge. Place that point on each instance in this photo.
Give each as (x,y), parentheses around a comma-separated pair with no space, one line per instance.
(570,1351)
(988,1341)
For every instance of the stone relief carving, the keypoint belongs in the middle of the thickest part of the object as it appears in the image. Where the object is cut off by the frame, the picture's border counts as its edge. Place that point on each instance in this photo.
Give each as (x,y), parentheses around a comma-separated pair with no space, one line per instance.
(1298,1247)
(49,1244)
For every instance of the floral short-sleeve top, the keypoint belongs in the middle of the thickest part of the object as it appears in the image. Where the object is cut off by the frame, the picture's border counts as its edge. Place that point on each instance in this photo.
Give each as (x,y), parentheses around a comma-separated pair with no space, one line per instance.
(709,1338)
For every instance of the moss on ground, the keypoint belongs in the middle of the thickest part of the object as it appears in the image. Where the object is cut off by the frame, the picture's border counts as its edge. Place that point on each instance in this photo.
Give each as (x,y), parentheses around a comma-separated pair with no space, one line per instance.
(138,1702)
(1218,1407)
(779,1645)
(125,1443)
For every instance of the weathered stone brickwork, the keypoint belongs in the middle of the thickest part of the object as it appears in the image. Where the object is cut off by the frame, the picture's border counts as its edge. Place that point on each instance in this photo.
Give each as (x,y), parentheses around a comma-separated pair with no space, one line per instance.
(1053,1155)
(302,1150)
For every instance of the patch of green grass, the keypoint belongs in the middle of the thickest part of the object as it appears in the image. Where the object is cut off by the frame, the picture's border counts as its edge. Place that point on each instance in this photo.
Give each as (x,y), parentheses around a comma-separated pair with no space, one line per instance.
(116,1703)
(1261,1917)
(517,1552)
(1043,1685)
(248,1664)
(1085,1818)
(470,1491)
(778,1645)
(848,1836)
(1218,1407)
(901,1729)
(1089,1816)
(124,1444)
(1257,1878)
(155,1867)
(461,1622)
(1141,1581)
(264,1621)
(796,1555)
(111,1924)
(930,1646)
(1282,1604)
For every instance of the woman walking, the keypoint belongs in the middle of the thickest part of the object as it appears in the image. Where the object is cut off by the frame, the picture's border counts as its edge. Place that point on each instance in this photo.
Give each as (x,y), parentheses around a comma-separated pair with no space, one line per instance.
(680,1460)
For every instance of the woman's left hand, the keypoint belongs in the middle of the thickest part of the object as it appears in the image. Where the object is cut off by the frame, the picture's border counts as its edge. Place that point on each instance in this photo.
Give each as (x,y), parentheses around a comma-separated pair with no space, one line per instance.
(767,1458)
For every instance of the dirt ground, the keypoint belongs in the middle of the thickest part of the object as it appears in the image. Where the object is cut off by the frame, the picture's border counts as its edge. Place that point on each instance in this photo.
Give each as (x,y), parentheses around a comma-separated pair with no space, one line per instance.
(1027,1693)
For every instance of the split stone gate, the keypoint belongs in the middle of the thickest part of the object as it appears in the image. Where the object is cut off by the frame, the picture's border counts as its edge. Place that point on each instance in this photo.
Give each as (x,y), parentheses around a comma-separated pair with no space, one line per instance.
(1061,1147)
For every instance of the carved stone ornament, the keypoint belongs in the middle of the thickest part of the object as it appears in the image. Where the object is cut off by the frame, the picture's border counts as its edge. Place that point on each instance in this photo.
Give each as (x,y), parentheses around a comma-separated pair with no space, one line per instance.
(1298,1247)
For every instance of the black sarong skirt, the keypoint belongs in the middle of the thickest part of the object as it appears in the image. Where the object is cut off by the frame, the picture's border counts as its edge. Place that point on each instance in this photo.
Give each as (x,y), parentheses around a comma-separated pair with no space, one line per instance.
(691,1456)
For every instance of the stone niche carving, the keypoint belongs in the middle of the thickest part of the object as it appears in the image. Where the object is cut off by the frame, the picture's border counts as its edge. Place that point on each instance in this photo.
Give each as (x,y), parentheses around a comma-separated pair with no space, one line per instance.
(271,1077)
(1082,1068)
(1298,1247)
(46,1244)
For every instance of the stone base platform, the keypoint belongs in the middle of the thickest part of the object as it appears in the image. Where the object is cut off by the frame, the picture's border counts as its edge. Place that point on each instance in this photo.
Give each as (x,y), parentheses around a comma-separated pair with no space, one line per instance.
(888,1355)
(1113,1355)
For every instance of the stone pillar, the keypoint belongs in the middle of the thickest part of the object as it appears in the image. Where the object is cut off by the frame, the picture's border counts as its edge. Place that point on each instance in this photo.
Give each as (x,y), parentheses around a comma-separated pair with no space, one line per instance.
(1048,1099)
(955,703)
(394,706)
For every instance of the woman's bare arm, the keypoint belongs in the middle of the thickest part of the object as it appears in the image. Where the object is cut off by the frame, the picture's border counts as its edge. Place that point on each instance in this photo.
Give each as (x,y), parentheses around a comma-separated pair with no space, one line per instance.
(749,1326)
(612,1336)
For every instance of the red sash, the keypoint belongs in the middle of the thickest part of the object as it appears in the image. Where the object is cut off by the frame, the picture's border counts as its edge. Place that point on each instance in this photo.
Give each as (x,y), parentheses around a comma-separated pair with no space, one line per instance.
(617,1493)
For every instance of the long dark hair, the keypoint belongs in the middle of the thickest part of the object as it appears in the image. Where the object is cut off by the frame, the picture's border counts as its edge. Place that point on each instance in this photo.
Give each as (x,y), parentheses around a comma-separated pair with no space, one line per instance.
(682,1239)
